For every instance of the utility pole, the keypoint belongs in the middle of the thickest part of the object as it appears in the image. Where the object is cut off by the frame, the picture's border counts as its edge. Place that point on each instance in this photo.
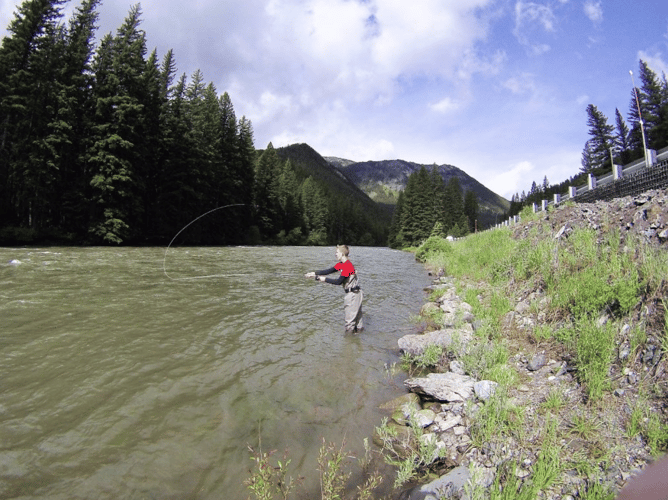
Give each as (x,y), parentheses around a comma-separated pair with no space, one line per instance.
(642,128)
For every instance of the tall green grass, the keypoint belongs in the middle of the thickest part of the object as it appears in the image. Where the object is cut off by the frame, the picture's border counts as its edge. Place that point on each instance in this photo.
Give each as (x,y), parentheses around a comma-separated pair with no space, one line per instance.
(583,277)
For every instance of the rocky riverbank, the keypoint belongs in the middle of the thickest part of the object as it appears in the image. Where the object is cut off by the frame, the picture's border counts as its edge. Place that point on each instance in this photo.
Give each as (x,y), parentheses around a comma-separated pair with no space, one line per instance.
(443,404)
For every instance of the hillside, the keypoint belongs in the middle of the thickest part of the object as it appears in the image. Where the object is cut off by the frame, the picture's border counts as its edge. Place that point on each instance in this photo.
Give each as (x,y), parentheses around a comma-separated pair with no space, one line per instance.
(568,323)
(383,180)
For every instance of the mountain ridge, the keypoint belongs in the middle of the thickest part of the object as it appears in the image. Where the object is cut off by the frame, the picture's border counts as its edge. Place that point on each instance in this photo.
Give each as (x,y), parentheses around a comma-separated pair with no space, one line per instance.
(378,183)
(383,181)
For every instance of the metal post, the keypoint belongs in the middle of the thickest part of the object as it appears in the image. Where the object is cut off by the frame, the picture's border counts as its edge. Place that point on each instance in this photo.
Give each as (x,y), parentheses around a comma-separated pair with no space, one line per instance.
(642,127)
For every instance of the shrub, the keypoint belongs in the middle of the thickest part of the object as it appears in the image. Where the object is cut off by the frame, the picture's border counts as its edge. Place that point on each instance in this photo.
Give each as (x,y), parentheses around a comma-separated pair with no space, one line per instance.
(432,246)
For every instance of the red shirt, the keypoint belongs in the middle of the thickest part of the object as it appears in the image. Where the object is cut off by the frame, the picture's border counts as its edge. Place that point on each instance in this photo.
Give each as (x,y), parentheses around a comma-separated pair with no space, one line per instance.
(346,268)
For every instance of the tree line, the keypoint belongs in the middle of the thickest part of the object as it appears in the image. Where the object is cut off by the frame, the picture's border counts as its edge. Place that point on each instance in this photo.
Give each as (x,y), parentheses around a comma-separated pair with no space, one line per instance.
(620,143)
(105,145)
(430,207)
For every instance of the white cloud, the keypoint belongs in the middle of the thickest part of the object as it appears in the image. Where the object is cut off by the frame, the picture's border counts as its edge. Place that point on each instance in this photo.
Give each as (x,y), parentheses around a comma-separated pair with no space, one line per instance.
(655,62)
(520,85)
(533,18)
(594,11)
(509,182)
(446,105)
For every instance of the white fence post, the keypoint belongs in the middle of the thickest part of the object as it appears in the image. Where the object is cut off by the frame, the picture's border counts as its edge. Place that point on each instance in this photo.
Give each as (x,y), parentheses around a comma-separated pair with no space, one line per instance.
(592,182)
(651,156)
(572,191)
(557,199)
(544,205)
(617,172)
(535,207)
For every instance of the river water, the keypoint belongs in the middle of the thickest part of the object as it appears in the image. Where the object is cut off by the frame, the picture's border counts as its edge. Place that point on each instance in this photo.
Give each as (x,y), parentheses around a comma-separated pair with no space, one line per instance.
(131,373)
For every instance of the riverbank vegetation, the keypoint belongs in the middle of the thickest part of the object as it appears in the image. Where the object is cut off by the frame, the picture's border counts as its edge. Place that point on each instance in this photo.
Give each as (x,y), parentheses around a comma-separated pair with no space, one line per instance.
(596,301)
(107,145)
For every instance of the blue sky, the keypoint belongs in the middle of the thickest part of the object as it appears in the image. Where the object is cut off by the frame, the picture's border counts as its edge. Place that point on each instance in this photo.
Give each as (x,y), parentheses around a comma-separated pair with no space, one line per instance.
(496,88)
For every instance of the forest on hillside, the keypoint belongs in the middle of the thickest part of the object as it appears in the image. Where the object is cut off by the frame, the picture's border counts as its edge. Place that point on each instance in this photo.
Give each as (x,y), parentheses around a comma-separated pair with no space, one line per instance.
(620,143)
(106,145)
(430,207)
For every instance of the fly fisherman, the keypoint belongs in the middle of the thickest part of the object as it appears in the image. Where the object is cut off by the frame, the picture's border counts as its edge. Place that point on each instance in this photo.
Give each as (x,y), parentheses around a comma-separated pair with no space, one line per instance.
(352,303)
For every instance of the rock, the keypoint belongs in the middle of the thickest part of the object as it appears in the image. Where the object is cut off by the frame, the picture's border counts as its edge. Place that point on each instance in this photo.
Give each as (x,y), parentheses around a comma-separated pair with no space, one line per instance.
(448,486)
(449,386)
(445,424)
(415,344)
(468,317)
(428,308)
(424,418)
(401,401)
(400,443)
(508,319)
(561,232)
(523,307)
(537,362)
(485,389)
(457,367)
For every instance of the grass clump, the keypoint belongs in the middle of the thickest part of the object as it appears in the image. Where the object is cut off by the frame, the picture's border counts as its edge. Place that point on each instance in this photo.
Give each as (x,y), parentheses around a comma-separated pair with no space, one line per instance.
(269,480)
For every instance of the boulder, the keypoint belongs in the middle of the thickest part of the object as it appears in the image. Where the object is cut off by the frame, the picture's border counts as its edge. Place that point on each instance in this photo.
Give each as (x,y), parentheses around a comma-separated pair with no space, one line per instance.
(447,486)
(537,362)
(485,389)
(415,344)
(448,387)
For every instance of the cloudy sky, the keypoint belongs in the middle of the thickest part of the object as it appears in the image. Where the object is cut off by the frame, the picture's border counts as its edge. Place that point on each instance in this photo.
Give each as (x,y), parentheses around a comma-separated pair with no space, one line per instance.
(498,88)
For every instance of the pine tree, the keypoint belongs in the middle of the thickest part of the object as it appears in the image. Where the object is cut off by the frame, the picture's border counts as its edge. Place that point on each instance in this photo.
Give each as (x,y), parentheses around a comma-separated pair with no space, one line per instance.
(471,210)
(455,207)
(115,150)
(28,68)
(587,160)
(246,170)
(636,144)
(601,140)
(266,193)
(622,146)
(395,236)
(316,212)
(652,105)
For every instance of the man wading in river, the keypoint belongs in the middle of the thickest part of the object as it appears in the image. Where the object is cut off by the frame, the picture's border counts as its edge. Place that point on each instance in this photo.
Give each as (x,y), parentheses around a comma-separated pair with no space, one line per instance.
(352,303)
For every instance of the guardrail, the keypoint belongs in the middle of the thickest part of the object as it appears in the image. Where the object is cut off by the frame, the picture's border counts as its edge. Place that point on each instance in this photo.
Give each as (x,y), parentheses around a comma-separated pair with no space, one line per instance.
(631,179)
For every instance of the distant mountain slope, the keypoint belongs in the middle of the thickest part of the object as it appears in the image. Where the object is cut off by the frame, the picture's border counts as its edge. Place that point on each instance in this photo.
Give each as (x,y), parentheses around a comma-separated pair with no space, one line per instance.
(383,180)
(335,180)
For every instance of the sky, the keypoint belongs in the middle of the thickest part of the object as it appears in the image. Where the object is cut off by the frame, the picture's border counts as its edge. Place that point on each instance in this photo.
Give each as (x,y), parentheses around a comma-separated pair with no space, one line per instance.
(497,88)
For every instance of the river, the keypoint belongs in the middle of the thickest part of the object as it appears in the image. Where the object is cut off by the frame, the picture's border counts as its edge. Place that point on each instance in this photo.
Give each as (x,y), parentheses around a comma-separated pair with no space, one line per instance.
(130,373)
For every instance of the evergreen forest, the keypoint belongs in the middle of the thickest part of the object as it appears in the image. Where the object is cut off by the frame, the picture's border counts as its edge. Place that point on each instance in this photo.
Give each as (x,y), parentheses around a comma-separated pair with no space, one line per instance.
(619,143)
(102,144)
(430,207)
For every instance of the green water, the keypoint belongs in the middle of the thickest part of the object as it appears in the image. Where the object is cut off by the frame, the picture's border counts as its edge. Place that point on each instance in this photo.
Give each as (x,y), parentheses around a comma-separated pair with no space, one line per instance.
(130,373)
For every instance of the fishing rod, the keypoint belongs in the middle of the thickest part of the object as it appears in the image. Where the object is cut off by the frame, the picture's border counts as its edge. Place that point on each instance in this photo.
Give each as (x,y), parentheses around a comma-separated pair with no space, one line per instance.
(164,259)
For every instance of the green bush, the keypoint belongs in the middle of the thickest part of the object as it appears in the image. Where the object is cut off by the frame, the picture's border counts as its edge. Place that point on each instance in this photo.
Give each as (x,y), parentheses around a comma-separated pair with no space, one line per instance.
(433,246)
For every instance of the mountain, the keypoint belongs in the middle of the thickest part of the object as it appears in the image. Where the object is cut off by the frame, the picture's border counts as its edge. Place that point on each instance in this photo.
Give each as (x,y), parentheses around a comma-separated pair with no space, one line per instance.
(383,180)
(376,184)
(311,163)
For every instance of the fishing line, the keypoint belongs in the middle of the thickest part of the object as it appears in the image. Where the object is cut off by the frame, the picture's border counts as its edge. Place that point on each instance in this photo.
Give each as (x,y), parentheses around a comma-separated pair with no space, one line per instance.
(183,229)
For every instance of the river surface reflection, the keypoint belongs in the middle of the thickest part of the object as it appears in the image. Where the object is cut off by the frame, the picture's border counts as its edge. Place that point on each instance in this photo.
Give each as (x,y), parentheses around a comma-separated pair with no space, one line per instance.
(120,380)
